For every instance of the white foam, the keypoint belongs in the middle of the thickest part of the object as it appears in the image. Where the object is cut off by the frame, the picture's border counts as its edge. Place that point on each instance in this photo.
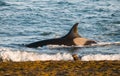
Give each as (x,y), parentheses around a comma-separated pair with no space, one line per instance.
(7,54)
(106,43)
(100,57)
(18,56)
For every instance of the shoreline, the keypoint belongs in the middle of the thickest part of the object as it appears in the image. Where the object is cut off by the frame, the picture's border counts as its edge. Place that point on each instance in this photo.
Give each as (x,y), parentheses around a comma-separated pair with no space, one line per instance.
(60,68)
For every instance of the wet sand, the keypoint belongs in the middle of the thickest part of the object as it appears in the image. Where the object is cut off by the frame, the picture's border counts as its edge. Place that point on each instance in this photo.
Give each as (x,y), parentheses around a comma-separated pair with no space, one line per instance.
(60,68)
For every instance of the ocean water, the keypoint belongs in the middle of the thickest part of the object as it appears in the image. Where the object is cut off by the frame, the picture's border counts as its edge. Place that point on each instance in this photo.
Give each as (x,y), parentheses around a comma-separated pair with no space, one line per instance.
(26,21)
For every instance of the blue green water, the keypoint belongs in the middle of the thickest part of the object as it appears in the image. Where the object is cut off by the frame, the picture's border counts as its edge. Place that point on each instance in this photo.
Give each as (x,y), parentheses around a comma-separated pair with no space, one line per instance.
(26,21)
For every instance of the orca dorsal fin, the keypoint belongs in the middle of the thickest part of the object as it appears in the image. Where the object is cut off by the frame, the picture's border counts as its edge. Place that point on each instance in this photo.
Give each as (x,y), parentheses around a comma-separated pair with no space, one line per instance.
(73,33)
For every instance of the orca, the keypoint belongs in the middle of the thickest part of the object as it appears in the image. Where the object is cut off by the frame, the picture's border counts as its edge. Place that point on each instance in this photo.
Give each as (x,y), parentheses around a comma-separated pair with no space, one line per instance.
(71,39)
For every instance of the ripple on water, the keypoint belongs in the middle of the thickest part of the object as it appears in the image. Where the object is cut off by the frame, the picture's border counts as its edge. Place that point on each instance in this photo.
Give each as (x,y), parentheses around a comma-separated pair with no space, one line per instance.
(3,3)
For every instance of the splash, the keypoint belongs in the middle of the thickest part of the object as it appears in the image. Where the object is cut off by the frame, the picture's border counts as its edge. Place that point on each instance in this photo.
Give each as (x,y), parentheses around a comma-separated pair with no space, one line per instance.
(7,54)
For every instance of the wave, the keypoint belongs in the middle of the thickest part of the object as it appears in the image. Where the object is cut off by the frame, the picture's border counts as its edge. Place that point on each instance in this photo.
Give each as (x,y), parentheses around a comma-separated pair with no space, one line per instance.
(3,4)
(7,54)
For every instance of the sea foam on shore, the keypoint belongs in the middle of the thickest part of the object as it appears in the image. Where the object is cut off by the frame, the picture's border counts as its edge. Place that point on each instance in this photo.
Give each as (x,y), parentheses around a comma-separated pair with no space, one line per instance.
(7,54)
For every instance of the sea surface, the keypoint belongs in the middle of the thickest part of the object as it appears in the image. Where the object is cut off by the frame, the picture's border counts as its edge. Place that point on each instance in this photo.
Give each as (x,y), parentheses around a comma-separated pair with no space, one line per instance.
(27,21)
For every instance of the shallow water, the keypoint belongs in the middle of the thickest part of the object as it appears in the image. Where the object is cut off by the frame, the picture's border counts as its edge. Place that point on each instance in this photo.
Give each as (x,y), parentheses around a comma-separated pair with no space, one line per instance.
(23,22)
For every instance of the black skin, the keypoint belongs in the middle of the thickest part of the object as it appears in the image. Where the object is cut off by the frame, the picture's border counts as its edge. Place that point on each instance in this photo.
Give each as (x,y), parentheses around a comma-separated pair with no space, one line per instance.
(65,40)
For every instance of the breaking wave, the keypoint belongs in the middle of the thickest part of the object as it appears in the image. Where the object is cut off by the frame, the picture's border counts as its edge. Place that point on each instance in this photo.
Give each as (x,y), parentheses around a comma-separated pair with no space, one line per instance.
(18,56)
(7,54)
